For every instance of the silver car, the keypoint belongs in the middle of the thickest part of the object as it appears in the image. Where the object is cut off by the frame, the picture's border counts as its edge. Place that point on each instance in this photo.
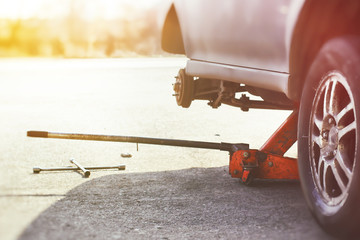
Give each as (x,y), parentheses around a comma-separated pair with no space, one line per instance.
(295,54)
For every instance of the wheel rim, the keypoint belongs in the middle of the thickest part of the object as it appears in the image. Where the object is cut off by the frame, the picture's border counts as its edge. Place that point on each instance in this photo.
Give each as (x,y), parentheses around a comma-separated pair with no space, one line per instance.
(333,139)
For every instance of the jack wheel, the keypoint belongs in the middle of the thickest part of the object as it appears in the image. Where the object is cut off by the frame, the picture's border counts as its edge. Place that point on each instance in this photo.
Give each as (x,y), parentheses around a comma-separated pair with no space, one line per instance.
(184,89)
(247,177)
(329,137)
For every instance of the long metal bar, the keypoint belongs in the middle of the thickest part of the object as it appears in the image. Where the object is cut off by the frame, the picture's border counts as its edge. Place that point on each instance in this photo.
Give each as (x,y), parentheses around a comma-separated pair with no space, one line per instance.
(112,138)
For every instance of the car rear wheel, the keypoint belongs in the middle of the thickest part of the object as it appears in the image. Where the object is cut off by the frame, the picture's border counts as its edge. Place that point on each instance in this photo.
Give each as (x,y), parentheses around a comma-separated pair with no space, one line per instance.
(328,137)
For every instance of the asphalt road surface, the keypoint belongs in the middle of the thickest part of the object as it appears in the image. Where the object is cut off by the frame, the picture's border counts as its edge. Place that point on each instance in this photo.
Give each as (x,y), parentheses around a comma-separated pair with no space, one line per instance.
(165,192)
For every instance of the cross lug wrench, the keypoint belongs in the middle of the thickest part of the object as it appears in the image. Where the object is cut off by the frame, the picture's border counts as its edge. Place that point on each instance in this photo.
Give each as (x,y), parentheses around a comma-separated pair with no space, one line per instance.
(39,169)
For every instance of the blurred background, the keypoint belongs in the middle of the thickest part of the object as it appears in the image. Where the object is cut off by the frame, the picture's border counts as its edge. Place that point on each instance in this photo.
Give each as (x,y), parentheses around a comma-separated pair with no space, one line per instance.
(80,28)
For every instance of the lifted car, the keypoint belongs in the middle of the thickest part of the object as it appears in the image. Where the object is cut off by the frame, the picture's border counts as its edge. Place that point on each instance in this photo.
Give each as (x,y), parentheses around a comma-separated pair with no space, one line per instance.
(294,54)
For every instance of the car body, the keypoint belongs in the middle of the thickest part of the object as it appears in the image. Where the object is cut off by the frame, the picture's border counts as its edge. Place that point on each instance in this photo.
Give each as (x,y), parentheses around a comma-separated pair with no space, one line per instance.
(264,44)
(301,55)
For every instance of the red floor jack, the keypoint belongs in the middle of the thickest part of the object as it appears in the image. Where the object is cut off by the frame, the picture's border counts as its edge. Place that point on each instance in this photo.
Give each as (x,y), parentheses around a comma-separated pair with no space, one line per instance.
(247,164)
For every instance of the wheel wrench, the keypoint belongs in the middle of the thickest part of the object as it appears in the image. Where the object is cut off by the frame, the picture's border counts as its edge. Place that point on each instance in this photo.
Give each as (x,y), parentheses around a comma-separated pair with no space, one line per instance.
(39,169)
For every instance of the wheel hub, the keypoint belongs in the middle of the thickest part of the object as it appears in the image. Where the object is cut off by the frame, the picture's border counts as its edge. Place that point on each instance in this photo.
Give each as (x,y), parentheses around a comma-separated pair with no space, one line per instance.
(330,138)
(184,89)
(177,86)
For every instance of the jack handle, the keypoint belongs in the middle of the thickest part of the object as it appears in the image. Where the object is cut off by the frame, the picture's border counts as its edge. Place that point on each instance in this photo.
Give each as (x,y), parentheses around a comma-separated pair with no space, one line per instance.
(156,141)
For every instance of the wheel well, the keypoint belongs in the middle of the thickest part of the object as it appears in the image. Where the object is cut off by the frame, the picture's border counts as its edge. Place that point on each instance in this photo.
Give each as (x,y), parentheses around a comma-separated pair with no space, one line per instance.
(318,22)
(171,37)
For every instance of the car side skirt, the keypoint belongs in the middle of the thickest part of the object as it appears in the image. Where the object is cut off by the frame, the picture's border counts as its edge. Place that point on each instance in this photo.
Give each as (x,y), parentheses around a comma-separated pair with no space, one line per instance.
(276,81)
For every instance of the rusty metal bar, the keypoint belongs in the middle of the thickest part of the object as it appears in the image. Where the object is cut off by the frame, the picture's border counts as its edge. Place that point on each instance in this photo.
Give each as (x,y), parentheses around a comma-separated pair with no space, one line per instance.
(156,141)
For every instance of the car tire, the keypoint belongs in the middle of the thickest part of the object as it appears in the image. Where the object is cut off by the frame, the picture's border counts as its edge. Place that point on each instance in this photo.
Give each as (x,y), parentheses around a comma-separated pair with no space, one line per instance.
(329,137)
